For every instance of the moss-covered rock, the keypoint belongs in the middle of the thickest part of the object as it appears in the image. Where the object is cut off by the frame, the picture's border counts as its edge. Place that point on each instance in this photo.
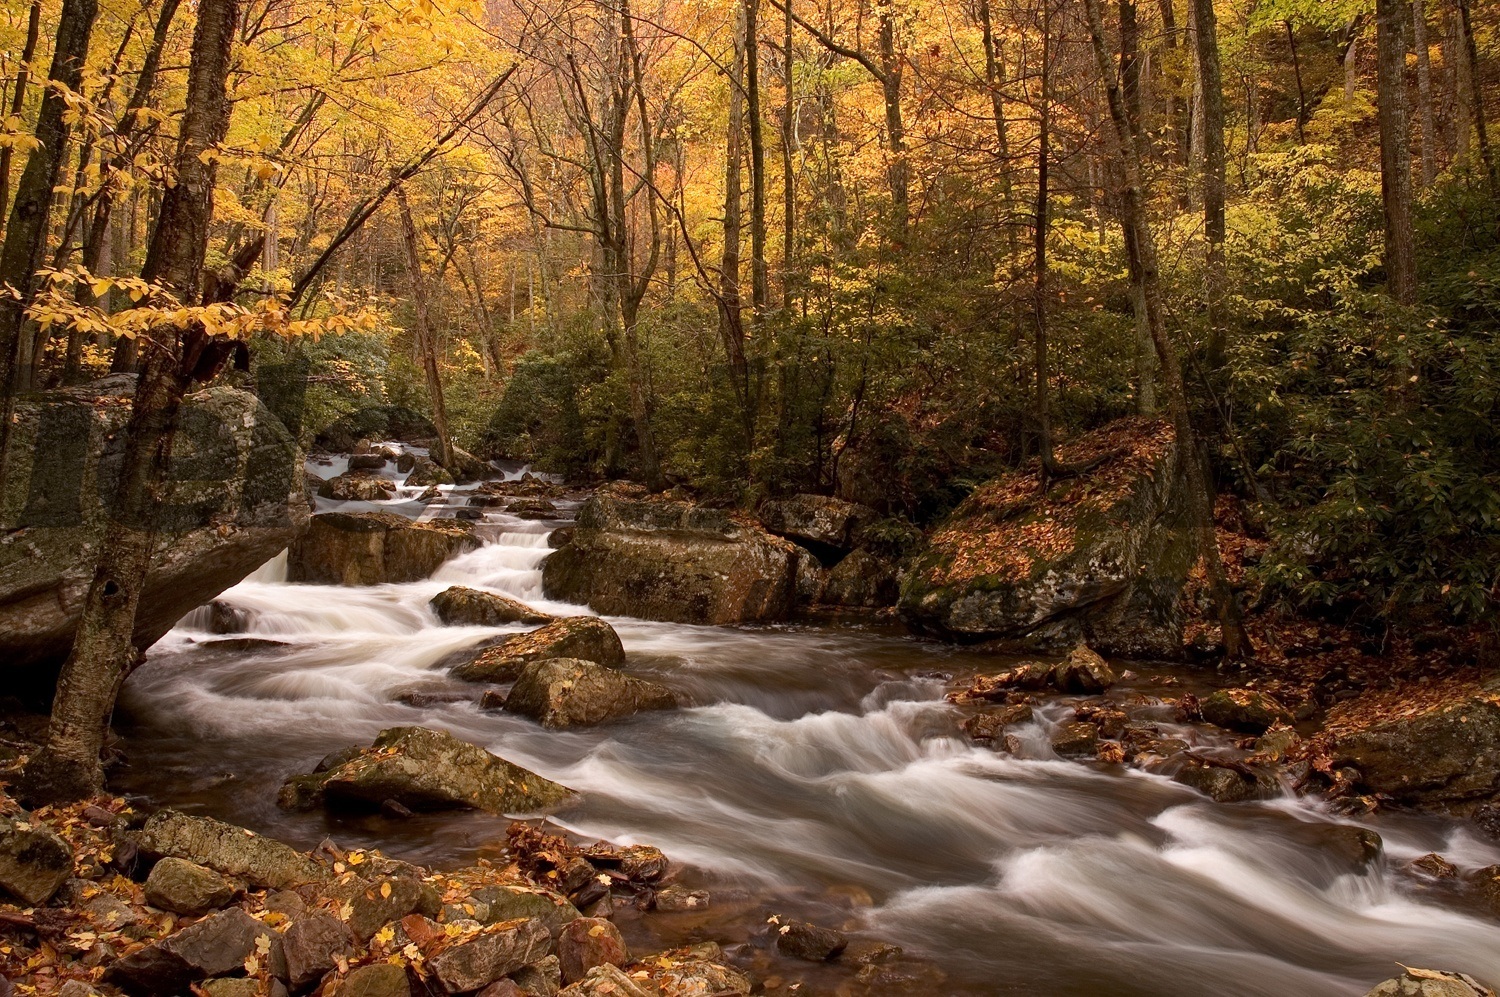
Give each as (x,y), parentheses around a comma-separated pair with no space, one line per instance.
(567,692)
(817,520)
(370,548)
(431,770)
(1101,557)
(678,562)
(465,607)
(1448,757)
(1245,710)
(585,637)
(237,500)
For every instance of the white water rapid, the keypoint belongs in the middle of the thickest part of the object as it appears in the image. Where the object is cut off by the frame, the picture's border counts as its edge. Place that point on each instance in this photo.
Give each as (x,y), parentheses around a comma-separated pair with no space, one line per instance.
(819,771)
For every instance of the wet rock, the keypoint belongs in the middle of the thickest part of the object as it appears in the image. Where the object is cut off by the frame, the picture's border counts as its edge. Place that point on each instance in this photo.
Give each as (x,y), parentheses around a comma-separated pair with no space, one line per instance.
(466,467)
(802,940)
(1449,757)
(367,462)
(357,488)
(215,946)
(569,692)
(1485,884)
(1100,558)
(184,887)
(473,961)
(643,863)
(1084,671)
(532,508)
(609,981)
(1434,866)
(817,520)
(1075,740)
(406,461)
(585,637)
(221,524)
(432,770)
(1487,819)
(465,607)
(373,903)
(680,898)
(673,561)
(809,581)
(1356,847)
(371,548)
(509,902)
(426,472)
(588,942)
(1431,983)
(991,724)
(234,851)
(1223,784)
(1276,744)
(860,581)
(236,987)
(379,979)
(503,988)
(704,979)
(542,978)
(34,861)
(313,945)
(1245,710)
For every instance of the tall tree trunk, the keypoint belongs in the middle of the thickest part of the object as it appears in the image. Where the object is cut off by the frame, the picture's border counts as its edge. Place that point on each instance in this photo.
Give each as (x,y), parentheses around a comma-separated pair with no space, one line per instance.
(426,343)
(67,766)
(1206,59)
(1460,77)
(26,232)
(759,289)
(1139,242)
(18,98)
(1476,98)
(1042,403)
(731,299)
(1174,112)
(895,127)
(1291,41)
(1392,18)
(788,178)
(1425,117)
(994,79)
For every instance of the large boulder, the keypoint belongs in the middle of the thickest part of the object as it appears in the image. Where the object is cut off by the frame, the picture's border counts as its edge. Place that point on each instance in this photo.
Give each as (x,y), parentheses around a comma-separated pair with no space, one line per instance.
(187,888)
(860,581)
(674,561)
(1447,758)
(1100,557)
(468,962)
(215,946)
(567,692)
(237,500)
(425,769)
(1244,710)
(264,863)
(460,606)
(586,637)
(369,548)
(818,522)
(357,488)
(34,861)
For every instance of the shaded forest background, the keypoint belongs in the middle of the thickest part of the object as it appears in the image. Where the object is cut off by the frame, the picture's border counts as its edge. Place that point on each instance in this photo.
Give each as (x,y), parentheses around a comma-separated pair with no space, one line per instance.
(750,248)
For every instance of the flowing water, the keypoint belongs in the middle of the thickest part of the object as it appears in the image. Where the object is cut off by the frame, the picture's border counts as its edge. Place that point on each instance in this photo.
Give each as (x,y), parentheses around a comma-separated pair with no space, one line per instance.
(817,773)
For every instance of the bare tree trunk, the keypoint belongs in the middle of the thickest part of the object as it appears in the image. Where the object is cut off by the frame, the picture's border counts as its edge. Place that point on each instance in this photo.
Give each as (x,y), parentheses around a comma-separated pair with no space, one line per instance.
(1040,221)
(18,98)
(67,767)
(1173,111)
(759,288)
(895,127)
(994,78)
(731,300)
(1206,59)
(1392,18)
(1425,117)
(788,178)
(1476,98)
(1460,80)
(26,232)
(1351,64)
(1291,40)
(1140,244)
(426,344)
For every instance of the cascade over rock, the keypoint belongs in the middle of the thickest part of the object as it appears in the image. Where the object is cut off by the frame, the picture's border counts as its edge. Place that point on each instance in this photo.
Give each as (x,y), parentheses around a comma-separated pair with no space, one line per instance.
(237,501)
(660,559)
(1099,558)
(370,548)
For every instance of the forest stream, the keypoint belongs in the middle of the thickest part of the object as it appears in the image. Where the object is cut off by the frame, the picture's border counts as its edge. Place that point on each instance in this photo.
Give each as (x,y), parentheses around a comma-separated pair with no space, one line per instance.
(818,772)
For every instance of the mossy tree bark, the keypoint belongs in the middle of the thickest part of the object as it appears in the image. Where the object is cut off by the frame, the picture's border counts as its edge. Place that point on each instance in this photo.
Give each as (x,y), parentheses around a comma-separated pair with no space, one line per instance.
(68,767)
